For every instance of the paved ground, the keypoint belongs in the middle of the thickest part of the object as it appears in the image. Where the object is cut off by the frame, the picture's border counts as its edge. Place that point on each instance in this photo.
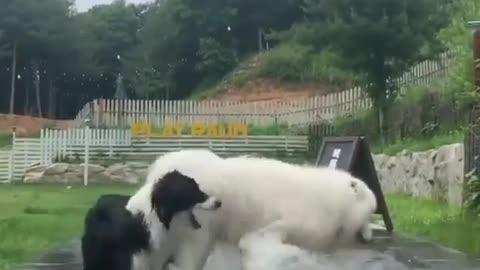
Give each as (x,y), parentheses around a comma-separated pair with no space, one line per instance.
(385,253)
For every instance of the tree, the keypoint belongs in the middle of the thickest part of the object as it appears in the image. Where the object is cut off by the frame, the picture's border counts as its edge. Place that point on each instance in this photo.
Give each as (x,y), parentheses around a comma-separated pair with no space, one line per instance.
(12,17)
(380,39)
(40,35)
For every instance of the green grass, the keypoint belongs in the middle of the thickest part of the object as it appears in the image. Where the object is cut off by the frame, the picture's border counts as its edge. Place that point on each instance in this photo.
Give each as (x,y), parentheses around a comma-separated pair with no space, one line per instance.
(420,144)
(435,221)
(5,140)
(36,218)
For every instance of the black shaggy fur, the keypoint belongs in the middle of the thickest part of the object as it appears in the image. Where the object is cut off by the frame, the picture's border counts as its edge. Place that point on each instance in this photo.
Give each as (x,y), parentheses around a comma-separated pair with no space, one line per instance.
(175,193)
(113,234)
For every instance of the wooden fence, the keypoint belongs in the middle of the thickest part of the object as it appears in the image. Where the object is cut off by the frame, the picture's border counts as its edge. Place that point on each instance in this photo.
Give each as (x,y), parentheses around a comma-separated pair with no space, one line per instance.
(122,113)
(76,144)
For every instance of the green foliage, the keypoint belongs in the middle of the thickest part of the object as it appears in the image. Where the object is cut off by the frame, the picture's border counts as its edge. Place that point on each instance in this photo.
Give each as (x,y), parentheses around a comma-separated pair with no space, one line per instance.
(300,63)
(421,115)
(273,129)
(472,194)
(287,62)
(380,39)
(169,48)
(421,144)
(214,58)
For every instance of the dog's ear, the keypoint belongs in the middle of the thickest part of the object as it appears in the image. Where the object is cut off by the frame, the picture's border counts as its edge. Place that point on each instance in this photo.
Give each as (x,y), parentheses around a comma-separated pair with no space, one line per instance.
(158,205)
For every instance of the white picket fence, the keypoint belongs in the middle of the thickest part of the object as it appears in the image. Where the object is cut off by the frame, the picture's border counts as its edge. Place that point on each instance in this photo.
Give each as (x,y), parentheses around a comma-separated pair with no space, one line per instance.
(5,166)
(123,113)
(87,144)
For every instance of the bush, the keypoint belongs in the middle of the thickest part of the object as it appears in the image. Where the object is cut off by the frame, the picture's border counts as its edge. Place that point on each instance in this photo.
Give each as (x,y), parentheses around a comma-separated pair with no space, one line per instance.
(422,112)
(325,66)
(472,194)
(286,62)
(300,63)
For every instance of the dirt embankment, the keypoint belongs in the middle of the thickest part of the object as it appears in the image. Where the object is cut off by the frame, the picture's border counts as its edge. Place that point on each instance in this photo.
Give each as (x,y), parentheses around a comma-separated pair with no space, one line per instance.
(27,125)
(261,90)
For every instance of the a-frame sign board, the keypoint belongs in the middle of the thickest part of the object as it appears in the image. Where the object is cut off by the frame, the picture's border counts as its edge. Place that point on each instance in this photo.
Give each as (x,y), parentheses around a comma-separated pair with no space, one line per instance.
(352,154)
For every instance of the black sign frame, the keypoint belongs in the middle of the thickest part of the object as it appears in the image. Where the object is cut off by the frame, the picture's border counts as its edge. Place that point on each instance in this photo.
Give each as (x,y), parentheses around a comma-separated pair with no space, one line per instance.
(360,164)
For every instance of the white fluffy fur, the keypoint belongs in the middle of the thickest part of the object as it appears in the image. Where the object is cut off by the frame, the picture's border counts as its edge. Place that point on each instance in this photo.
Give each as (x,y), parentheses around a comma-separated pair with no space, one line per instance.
(163,243)
(263,250)
(307,206)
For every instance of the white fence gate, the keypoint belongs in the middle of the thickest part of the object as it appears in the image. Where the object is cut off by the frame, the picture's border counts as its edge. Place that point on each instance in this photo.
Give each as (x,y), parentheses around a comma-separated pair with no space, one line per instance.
(26,152)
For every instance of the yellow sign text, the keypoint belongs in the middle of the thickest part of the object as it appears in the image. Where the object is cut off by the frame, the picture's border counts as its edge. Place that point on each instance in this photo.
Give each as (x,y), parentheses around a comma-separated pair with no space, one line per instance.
(196,130)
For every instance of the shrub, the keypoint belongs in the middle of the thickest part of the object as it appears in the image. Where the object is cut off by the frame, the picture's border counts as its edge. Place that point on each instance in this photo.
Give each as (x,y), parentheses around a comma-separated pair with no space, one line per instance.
(300,63)
(287,62)
(472,194)
(422,112)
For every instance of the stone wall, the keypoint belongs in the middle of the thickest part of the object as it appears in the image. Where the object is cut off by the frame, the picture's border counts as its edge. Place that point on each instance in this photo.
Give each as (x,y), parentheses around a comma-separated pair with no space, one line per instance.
(71,173)
(435,174)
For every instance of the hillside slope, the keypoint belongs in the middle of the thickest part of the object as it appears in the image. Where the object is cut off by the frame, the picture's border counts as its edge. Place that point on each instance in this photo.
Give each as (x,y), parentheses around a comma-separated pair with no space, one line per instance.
(245,84)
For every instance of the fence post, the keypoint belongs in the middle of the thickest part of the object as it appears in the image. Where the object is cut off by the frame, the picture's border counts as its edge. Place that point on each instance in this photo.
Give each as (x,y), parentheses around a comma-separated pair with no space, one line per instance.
(11,165)
(42,147)
(86,157)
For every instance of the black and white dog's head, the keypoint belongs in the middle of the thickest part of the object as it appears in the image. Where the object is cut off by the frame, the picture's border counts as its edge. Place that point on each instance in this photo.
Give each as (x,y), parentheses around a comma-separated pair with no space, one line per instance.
(113,234)
(176,192)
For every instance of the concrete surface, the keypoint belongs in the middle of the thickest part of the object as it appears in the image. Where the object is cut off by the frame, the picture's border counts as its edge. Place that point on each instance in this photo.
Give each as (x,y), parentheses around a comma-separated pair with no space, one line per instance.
(386,252)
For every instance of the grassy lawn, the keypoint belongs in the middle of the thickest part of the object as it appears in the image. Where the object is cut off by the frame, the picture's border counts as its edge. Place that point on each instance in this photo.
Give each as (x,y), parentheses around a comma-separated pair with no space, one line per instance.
(36,218)
(435,221)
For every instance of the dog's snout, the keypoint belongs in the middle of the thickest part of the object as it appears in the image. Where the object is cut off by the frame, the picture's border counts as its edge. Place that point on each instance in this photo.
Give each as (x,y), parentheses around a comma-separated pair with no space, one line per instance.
(218,204)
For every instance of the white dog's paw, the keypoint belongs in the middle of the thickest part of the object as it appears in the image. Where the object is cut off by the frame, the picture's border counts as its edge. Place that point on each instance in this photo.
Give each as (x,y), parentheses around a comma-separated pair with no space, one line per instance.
(171,266)
(365,235)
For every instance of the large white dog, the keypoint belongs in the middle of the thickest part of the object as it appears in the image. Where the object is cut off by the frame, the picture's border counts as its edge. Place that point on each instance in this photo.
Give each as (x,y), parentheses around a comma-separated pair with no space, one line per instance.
(313,208)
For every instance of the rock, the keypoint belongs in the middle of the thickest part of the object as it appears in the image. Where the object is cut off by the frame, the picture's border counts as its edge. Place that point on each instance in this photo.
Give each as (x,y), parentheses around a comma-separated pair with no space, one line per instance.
(433,174)
(137,164)
(32,177)
(73,174)
(57,168)
(116,169)
(92,168)
(125,177)
(36,169)
(122,172)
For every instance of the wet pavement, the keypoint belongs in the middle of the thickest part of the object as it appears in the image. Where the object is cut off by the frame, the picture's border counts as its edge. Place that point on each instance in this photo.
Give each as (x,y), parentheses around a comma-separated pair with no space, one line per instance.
(386,252)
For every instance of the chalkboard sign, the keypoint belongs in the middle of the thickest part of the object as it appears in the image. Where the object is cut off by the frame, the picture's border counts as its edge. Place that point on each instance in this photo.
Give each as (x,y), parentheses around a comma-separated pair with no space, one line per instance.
(352,154)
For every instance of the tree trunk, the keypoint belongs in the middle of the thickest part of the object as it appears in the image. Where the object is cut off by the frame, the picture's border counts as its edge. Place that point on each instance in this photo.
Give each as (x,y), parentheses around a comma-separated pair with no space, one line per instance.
(261,35)
(26,108)
(52,98)
(36,82)
(14,75)
(381,123)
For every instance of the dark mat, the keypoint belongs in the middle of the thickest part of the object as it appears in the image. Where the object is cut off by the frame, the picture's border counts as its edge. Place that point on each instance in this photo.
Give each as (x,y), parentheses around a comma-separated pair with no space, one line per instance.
(387,252)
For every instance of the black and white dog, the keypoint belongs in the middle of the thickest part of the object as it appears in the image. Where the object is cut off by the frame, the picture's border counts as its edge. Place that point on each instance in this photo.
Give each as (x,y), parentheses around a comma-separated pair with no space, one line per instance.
(116,239)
